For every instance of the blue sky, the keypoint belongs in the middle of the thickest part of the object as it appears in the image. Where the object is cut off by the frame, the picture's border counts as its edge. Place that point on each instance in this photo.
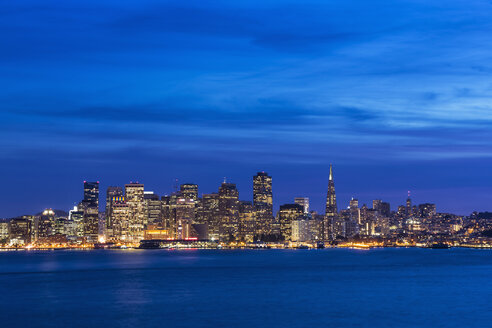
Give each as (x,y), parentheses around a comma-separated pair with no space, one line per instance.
(396,94)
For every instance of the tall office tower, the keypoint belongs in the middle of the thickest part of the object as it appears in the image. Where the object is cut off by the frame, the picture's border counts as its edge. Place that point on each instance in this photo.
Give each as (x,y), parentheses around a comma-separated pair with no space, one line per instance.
(189,191)
(46,224)
(134,196)
(153,209)
(354,210)
(91,192)
(120,218)
(285,216)
(90,207)
(263,203)
(331,206)
(208,213)
(167,208)
(228,212)
(408,207)
(247,226)
(77,218)
(184,209)
(20,231)
(304,202)
(111,192)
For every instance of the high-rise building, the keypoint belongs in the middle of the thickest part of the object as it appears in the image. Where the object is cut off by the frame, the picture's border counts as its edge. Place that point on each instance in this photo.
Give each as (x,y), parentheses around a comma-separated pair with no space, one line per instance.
(153,209)
(46,224)
(304,202)
(120,218)
(287,214)
(208,213)
(76,216)
(331,210)
(134,196)
(111,193)
(263,203)
(228,212)
(247,227)
(189,191)
(90,207)
(408,207)
(20,231)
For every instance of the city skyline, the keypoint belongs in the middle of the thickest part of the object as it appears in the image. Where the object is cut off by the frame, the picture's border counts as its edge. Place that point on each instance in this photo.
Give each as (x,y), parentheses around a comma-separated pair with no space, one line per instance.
(396,94)
(317,201)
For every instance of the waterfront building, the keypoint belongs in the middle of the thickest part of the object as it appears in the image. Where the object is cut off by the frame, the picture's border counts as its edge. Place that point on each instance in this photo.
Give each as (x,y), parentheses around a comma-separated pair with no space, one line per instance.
(263,204)
(4,231)
(286,215)
(20,231)
(228,211)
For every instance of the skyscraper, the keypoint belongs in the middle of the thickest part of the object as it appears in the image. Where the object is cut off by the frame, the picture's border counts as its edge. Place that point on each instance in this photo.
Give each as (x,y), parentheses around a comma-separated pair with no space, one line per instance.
(331,206)
(208,213)
(153,209)
(111,192)
(246,221)
(263,203)
(90,207)
(134,196)
(408,207)
(189,191)
(287,214)
(228,211)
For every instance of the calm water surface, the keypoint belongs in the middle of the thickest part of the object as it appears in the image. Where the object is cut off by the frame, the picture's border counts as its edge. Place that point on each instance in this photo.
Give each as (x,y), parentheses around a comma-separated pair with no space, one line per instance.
(247,288)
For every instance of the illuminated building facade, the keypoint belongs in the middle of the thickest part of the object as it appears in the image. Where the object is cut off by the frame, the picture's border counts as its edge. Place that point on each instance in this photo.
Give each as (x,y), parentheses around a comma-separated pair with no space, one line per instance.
(90,207)
(286,215)
(263,204)
(134,196)
(228,212)
(20,231)
(247,226)
(331,209)
(189,191)
(208,213)
(46,224)
(153,209)
(304,202)
(111,193)
(120,218)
